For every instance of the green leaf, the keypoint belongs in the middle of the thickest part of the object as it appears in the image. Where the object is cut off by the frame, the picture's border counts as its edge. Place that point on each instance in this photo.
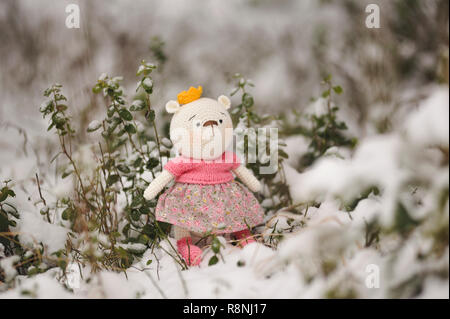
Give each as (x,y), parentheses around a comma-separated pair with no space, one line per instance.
(3,196)
(61,107)
(47,107)
(121,132)
(152,203)
(140,70)
(130,128)
(283,154)
(137,105)
(235,90)
(149,230)
(123,168)
(33,271)
(215,246)
(50,126)
(115,234)
(137,201)
(247,100)
(326,94)
(126,229)
(149,262)
(112,179)
(65,174)
(111,111)
(5,192)
(109,163)
(147,85)
(97,89)
(150,115)
(213,260)
(125,114)
(62,264)
(342,126)
(4,221)
(94,126)
(236,110)
(338,89)
(135,215)
(152,163)
(137,162)
(67,214)
(110,91)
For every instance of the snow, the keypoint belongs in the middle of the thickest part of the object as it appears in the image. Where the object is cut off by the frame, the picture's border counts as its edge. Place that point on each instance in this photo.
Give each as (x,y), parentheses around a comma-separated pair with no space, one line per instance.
(135,247)
(34,230)
(7,267)
(296,146)
(102,77)
(429,124)
(147,83)
(43,286)
(141,69)
(62,188)
(374,163)
(94,125)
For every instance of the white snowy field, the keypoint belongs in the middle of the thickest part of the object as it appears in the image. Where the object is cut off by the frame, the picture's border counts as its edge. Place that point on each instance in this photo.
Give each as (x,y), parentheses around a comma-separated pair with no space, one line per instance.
(392,103)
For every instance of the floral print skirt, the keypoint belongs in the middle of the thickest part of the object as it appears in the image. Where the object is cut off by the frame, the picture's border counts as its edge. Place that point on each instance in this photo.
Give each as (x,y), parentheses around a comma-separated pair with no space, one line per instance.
(219,208)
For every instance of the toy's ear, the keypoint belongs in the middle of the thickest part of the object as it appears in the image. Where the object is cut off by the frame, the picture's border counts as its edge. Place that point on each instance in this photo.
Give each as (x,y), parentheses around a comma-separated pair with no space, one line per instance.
(224,101)
(172,106)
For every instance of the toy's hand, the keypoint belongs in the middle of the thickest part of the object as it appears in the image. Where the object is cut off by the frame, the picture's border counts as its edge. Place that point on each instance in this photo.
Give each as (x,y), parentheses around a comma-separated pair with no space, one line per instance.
(255,186)
(248,178)
(150,192)
(157,185)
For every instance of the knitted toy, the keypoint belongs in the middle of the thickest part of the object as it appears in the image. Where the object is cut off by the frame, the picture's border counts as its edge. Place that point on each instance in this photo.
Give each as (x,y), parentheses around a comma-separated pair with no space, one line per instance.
(205,197)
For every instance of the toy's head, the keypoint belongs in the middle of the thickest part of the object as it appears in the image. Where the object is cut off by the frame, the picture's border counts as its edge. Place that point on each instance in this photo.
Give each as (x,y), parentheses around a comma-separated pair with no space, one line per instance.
(201,128)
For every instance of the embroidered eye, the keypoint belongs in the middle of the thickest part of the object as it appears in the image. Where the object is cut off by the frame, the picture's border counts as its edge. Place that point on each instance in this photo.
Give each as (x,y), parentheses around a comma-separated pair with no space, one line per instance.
(220,121)
(198,124)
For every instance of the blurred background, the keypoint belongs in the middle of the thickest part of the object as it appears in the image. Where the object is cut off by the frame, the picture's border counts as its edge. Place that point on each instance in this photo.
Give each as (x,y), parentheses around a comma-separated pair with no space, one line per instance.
(286,47)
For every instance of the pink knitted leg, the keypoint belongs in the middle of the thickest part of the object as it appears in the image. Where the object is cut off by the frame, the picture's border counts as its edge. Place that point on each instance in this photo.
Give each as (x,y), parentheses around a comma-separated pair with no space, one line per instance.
(190,253)
(245,237)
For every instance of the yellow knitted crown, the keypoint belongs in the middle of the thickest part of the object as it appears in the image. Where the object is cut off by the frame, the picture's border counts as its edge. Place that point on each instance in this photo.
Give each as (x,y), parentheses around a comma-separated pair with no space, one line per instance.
(192,94)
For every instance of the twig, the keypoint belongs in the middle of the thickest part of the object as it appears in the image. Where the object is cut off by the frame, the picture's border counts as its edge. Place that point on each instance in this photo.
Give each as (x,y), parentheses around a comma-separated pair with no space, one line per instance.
(39,188)
(155,130)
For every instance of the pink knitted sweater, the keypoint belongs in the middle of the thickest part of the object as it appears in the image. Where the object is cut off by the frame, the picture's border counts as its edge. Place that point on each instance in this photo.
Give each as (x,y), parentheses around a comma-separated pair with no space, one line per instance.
(192,171)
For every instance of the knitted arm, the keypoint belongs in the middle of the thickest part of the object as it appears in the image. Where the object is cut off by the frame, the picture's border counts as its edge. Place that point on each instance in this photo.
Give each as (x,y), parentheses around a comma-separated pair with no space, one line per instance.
(247,178)
(157,184)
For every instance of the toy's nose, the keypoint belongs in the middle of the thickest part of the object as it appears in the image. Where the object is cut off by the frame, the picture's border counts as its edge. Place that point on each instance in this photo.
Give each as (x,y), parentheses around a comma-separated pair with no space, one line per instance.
(210,123)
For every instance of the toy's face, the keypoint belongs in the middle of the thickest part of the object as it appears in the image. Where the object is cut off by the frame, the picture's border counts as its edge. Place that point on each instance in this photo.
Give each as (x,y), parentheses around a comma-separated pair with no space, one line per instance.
(202,129)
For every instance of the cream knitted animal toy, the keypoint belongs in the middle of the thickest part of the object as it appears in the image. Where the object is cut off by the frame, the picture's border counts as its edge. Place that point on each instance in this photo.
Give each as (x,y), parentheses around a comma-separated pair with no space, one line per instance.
(205,196)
